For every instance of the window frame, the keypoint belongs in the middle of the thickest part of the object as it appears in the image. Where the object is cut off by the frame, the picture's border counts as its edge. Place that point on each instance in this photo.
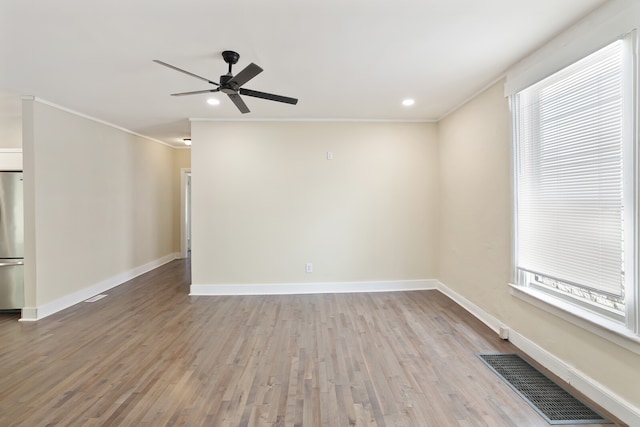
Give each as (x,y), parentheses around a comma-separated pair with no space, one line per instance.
(626,331)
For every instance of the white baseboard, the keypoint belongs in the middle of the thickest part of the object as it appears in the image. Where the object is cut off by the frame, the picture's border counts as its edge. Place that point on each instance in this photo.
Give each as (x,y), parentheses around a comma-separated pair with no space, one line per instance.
(493,323)
(28,314)
(313,288)
(579,380)
(31,314)
(613,403)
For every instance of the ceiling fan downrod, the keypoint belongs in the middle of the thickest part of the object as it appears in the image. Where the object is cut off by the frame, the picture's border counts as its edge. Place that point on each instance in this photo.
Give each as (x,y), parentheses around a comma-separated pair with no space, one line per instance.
(230,57)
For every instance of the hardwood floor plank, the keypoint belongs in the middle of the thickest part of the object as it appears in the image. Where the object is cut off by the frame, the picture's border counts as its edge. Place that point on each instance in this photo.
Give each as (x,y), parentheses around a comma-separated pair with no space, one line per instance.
(151,355)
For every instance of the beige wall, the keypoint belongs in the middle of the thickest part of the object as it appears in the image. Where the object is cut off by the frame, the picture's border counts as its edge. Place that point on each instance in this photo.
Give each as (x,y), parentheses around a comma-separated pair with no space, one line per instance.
(266,200)
(475,198)
(99,202)
(475,228)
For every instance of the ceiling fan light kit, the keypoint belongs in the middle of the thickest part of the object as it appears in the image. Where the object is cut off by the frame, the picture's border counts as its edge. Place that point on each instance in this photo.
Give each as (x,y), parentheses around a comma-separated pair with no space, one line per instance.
(232,85)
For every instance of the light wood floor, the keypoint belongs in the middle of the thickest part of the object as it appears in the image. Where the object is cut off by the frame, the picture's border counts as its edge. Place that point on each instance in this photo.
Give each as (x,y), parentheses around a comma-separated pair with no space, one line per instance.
(150,355)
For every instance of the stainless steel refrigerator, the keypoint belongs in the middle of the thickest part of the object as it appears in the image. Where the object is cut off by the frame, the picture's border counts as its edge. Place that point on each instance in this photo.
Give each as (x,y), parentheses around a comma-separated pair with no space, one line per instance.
(11,241)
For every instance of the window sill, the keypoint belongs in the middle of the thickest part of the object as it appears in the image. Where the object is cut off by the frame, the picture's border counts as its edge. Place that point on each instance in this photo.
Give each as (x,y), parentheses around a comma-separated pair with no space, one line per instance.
(585,319)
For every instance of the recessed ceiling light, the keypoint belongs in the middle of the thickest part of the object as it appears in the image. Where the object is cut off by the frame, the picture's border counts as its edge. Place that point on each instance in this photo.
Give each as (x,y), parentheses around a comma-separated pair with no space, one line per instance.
(408,102)
(187,141)
(213,101)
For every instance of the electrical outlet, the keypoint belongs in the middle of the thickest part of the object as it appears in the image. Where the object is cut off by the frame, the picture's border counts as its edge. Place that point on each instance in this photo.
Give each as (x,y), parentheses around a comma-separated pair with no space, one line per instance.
(308,267)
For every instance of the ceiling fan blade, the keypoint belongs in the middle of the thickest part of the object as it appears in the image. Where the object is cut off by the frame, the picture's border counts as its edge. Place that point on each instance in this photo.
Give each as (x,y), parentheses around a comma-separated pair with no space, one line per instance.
(249,72)
(195,92)
(239,102)
(269,96)
(184,71)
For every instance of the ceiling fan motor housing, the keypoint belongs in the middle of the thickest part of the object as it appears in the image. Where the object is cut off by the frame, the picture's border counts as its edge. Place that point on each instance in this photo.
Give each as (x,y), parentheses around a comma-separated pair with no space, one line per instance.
(227,87)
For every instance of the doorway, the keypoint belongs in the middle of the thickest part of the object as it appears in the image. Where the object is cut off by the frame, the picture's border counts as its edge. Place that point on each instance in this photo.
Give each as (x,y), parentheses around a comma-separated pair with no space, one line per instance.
(185,212)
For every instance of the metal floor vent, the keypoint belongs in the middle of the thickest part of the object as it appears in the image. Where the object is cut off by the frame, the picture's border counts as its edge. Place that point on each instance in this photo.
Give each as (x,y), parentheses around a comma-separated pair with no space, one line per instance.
(95,298)
(550,400)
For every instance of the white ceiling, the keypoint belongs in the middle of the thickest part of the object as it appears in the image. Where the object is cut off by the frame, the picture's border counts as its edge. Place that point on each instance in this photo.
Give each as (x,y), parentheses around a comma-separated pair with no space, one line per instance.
(343,59)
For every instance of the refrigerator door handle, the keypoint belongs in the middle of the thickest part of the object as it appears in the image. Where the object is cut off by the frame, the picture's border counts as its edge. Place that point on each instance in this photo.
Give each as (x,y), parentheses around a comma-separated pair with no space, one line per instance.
(10,264)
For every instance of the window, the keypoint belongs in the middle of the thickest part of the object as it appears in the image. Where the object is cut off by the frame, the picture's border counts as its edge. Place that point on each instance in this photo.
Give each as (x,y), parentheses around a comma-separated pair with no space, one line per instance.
(575,186)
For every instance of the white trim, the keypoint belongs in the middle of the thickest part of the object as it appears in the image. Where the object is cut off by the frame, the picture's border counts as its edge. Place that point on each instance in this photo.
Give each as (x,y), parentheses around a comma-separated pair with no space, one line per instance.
(313,287)
(633,170)
(494,324)
(11,159)
(471,97)
(30,314)
(592,322)
(602,26)
(94,119)
(595,391)
(330,120)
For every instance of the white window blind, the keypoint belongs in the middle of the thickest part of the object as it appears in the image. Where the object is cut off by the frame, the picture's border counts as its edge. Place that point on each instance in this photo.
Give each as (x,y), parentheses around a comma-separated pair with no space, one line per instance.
(569,174)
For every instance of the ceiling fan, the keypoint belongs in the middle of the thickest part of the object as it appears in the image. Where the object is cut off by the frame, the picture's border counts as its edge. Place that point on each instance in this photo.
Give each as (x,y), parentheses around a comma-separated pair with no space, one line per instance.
(232,85)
